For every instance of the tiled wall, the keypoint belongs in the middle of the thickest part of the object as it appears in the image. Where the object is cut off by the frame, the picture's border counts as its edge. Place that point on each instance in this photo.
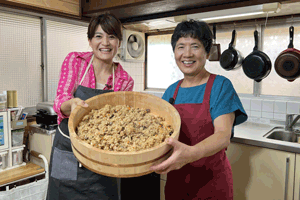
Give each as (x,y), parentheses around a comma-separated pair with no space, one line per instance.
(270,108)
(136,71)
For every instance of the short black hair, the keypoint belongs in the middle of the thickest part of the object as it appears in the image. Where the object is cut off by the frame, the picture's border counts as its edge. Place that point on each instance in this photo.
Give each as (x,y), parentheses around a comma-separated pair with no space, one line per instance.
(194,29)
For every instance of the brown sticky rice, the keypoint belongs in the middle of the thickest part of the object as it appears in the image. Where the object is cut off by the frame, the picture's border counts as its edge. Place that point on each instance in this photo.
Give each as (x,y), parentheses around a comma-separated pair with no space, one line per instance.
(123,128)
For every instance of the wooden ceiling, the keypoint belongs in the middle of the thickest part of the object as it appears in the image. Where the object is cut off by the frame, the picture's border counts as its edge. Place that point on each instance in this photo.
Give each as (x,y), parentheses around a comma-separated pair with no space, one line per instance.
(154,9)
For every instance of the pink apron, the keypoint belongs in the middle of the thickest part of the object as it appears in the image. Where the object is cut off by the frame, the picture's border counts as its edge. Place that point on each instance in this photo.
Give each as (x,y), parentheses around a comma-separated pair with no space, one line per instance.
(207,178)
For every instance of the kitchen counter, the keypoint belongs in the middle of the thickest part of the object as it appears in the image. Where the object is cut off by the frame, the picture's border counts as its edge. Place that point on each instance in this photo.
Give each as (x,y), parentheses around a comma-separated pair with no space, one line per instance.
(252,134)
(37,128)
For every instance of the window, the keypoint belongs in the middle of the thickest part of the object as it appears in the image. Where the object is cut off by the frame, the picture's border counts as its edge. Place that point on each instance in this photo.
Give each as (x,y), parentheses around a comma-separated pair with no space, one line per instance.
(162,70)
(20,57)
(62,38)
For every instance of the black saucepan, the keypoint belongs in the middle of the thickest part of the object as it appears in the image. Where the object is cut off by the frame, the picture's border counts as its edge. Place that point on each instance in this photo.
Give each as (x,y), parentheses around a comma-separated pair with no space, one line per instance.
(287,64)
(257,65)
(215,51)
(231,58)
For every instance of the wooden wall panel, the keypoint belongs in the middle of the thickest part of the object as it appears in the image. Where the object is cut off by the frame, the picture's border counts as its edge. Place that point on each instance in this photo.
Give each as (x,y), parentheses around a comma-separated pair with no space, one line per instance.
(65,6)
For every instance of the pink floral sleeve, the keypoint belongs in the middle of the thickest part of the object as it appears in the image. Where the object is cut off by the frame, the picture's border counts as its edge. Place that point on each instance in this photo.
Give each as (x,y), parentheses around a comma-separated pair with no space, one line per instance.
(66,84)
(124,81)
(129,85)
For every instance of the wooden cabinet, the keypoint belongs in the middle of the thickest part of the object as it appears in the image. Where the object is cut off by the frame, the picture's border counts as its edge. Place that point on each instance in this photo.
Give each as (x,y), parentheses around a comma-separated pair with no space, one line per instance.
(69,7)
(104,4)
(297,178)
(129,11)
(261,173)
(41,143)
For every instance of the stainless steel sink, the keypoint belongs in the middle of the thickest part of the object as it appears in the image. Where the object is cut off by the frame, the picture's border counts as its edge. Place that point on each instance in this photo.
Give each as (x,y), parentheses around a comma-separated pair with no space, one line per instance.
(279,133)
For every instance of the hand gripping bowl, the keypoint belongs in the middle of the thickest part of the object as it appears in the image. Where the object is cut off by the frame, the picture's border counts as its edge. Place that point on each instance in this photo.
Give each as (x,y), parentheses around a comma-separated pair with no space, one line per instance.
(123,164)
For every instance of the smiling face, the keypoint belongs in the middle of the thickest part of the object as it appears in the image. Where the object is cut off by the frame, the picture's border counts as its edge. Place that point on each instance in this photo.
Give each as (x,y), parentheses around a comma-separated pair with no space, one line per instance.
(104,46)
(190,56)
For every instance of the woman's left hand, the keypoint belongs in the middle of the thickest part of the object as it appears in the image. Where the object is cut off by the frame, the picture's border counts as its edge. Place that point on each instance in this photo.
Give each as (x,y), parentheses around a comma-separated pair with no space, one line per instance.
(182,155)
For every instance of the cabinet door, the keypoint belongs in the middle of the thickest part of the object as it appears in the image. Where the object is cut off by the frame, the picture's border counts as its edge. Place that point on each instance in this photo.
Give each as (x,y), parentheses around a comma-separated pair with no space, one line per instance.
(65,6)
(261,173)
(41,143)
(297,178)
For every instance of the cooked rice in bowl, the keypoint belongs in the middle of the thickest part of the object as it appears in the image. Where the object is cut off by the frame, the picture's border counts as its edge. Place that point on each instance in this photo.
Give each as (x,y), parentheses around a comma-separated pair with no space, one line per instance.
(123,128)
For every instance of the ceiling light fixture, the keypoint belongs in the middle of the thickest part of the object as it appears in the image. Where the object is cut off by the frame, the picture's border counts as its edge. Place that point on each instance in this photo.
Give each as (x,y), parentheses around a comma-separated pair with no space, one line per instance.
(237,12)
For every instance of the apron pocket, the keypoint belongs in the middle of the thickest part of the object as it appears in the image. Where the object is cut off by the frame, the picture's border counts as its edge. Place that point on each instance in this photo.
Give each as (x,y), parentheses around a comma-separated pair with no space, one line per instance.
(64,165)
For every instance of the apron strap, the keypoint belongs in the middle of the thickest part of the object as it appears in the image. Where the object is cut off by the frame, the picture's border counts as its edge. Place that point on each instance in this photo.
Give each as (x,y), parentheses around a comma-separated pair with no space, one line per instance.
(176,90)
(88,67)
(208,87)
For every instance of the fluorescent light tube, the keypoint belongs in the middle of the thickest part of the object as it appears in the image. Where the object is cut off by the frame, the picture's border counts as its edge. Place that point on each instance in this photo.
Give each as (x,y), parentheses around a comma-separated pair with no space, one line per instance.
(232,16)
(237,12)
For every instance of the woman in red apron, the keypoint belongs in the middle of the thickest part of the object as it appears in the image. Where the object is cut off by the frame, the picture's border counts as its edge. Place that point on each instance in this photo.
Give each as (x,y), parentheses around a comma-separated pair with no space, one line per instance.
(209,108)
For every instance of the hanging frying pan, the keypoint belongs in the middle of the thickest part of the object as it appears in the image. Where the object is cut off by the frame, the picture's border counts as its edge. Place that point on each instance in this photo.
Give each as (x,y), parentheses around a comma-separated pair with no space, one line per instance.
(215,51)
(231,58)
(257,65)
(287,64)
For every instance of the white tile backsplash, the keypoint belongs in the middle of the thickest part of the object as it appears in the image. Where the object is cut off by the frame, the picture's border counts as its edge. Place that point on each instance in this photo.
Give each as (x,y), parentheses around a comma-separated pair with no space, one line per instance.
(267,115)
(136,71)
(256,105)
(268,106)
(255,113)
(279,116)
(280,107)
(246,103)
(260,109)
(293,107)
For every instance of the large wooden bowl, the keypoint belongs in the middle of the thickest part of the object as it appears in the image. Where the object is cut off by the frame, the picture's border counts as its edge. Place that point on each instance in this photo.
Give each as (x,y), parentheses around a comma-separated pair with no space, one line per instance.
(123,164)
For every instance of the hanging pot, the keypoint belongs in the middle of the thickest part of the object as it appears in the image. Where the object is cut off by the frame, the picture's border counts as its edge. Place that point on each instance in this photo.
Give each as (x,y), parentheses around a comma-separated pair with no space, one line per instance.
(257,65)
(287,64)
(231,58)
(215,51)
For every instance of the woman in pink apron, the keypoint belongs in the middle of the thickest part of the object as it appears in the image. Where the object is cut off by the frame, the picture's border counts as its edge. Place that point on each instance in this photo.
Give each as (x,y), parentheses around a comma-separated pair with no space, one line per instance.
(209,108)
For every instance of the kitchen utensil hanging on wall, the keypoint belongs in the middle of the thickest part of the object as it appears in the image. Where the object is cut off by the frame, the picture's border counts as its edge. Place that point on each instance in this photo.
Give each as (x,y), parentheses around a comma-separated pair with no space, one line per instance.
(231,58)
(257,65)
(287,64)
(215,51)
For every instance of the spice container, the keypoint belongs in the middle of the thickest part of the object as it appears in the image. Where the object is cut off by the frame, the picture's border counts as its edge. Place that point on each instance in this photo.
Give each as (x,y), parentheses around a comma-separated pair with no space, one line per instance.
(3,160)
(12,99)
(17,156)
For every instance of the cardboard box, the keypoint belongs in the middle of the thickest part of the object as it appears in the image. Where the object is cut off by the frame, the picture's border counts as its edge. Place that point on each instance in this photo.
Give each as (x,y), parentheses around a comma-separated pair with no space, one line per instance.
(18,124)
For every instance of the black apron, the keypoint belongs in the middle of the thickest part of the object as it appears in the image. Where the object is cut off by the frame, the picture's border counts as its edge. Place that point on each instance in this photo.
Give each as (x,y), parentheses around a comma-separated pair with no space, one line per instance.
(68,180)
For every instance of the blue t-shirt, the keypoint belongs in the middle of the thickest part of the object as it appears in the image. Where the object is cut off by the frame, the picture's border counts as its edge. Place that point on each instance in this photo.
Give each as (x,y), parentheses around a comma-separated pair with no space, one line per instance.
(223,98)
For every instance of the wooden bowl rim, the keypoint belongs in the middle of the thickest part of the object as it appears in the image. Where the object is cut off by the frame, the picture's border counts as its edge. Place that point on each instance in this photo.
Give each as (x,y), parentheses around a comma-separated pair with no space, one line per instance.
(74,136)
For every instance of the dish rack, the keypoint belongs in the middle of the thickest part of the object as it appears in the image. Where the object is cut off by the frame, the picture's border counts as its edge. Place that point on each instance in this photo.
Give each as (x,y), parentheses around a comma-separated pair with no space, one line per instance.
(36,190)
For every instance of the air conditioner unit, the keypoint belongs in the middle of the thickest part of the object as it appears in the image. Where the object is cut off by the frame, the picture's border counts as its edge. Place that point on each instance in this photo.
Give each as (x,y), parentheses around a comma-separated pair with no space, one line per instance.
(133,46)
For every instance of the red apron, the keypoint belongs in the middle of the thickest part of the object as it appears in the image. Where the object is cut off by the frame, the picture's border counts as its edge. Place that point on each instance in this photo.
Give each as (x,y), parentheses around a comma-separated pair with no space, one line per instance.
(207,178)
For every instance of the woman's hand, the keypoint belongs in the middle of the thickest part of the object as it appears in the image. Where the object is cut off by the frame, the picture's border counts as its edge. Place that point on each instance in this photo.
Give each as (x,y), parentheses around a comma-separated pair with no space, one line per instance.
(182,155)
(68,106)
